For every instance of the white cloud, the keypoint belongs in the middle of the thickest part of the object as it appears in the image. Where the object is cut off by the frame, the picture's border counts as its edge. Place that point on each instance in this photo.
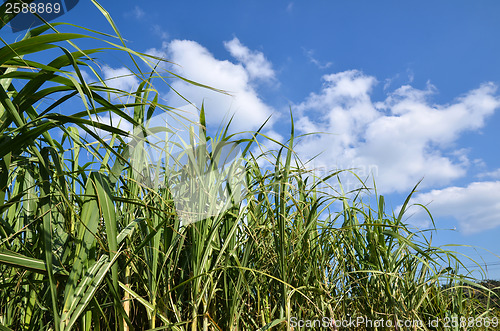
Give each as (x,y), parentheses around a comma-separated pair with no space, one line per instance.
(109,119)
(158,30)
(475,207)
(495,174)
(410,77)
(310,55)
(257,66)
(120,78)
(159,53)
(198,64)
(85,75)
(138,12)
(404,137)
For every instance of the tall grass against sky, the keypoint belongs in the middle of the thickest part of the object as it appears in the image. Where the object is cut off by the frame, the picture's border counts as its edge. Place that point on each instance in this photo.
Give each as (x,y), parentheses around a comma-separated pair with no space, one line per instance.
(403,91)
(88,242)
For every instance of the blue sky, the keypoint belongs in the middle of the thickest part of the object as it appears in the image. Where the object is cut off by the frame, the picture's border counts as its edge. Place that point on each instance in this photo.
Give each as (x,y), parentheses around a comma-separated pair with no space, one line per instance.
(405,89)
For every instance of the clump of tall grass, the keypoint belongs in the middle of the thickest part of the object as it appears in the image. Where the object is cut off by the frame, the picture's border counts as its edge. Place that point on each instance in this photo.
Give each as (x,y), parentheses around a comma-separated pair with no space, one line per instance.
(90,248)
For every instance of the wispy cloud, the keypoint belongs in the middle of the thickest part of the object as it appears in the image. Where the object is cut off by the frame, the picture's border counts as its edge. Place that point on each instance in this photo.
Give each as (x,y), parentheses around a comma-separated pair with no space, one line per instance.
(410,76)
(495,174)
(136,13)
(158,30)
(310,55)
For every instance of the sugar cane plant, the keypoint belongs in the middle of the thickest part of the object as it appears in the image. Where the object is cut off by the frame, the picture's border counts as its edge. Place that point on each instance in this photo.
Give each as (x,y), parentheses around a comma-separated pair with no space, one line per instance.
(96,236)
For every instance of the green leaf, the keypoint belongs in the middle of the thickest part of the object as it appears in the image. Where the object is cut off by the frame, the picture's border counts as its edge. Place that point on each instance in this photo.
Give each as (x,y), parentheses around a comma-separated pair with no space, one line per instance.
(27,263)
(35,44)
(85,291)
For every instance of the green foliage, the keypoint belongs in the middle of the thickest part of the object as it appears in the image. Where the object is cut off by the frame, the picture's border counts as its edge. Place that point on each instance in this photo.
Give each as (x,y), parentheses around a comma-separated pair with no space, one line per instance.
(91,249)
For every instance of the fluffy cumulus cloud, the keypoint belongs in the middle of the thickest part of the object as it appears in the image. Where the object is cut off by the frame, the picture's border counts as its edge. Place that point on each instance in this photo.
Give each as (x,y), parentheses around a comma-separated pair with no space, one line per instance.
(475,207)
(254,62)
(238,79)
(400,139)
